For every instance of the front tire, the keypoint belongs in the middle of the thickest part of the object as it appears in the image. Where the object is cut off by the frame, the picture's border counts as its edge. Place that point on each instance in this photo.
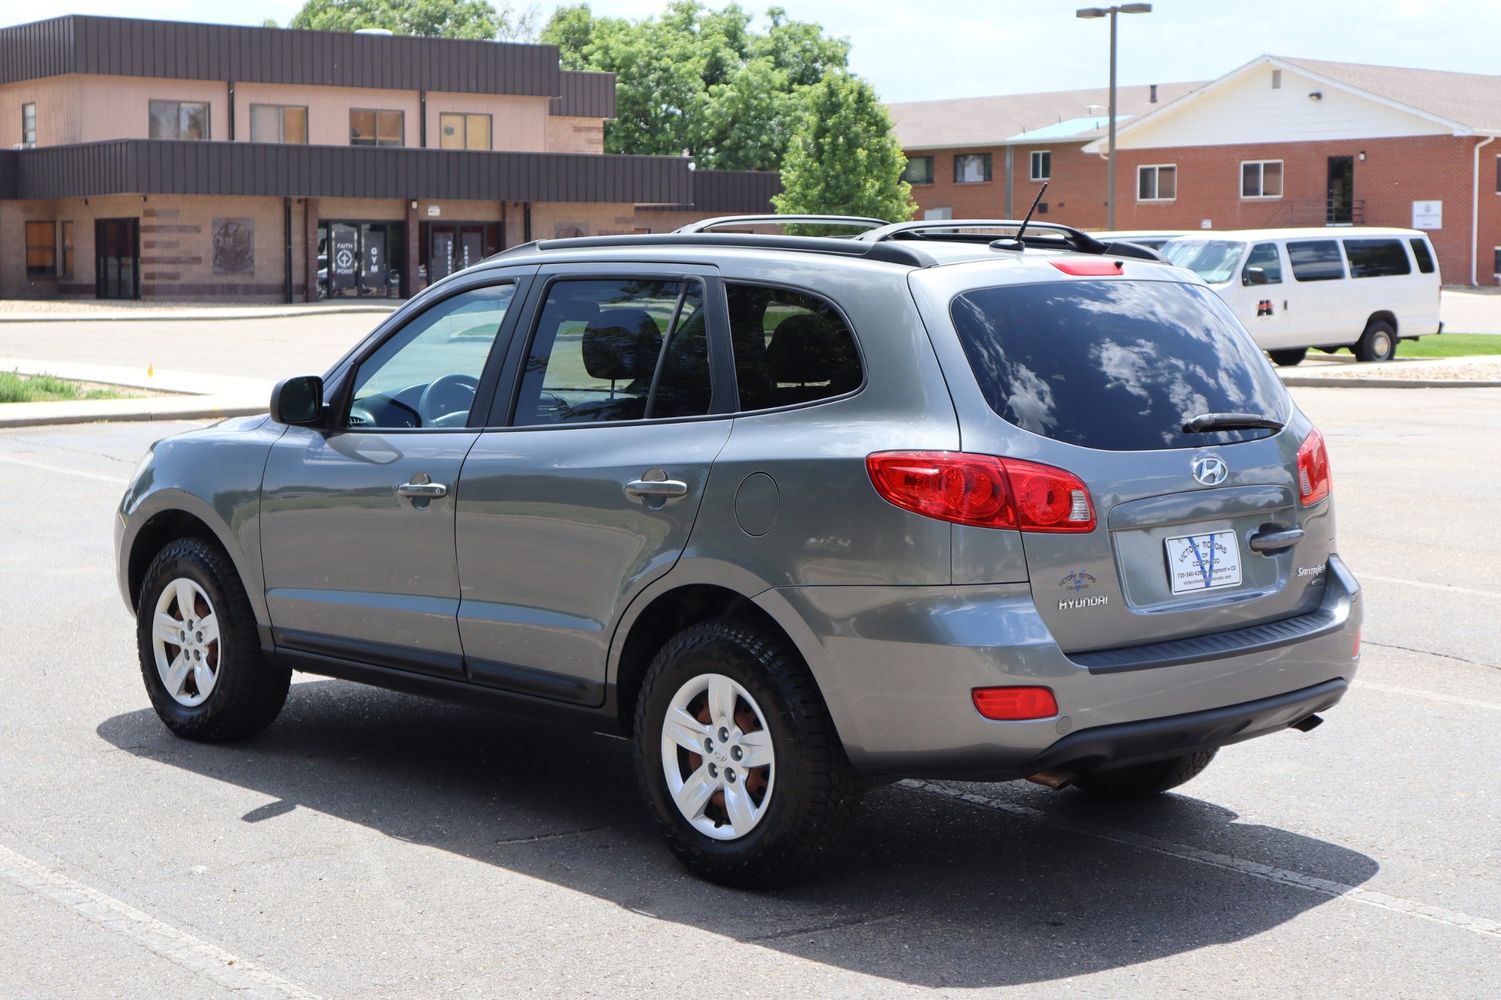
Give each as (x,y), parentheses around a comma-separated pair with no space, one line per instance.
(1377,343)
(1143,781)
(738,758)
(199,652)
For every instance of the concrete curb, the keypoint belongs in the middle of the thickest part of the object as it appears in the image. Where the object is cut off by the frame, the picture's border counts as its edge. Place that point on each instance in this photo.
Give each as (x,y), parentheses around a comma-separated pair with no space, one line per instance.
(188,315)
(206,408)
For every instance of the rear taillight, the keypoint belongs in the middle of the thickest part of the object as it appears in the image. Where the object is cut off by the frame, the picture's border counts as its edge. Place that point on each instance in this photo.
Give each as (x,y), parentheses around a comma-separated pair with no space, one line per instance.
(1313,469)
(1011,704)
(983,490)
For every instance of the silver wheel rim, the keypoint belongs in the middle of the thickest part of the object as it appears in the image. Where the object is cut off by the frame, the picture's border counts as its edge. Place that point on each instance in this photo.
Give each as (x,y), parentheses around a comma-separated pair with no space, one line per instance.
(185,642)
(717,757)
(1383,345)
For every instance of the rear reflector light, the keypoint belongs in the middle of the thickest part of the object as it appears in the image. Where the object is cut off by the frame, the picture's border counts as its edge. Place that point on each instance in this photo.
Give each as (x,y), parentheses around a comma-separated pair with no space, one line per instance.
(983,490)
(1313,469)
(1009,704)
(1356,653)
(1090,268)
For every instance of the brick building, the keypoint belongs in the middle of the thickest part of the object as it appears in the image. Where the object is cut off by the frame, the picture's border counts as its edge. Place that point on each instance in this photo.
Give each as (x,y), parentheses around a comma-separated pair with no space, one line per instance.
(161,160)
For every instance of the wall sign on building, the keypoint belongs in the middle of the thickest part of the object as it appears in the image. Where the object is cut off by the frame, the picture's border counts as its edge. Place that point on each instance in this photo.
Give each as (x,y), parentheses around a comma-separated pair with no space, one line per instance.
(1428,215)
(234,246)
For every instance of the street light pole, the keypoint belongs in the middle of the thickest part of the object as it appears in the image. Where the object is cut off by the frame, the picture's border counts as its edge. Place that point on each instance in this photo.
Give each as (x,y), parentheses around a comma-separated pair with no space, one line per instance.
(1093,12)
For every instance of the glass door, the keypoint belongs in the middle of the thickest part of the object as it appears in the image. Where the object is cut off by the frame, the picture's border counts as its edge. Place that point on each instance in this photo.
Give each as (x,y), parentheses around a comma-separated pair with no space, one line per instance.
(1341,204)
(117,258)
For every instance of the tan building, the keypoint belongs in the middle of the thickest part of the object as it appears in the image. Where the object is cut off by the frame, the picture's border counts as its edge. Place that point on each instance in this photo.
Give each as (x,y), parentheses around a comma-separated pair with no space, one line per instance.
(165,160)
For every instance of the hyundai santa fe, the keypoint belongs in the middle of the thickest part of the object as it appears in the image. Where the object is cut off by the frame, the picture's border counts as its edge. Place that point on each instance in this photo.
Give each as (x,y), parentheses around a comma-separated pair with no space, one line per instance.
(798,515)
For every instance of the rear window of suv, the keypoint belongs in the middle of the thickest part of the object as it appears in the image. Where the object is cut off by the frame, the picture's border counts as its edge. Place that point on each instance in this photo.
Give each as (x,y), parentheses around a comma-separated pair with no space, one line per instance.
(1115,365)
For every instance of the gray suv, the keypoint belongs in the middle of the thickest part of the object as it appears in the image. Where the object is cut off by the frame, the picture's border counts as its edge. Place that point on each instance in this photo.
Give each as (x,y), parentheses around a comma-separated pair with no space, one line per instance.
(797,514)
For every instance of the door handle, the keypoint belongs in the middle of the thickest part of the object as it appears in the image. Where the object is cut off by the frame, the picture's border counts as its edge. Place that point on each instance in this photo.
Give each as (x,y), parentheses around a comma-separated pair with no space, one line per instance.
(422,491)
(1275,539)
(663,488)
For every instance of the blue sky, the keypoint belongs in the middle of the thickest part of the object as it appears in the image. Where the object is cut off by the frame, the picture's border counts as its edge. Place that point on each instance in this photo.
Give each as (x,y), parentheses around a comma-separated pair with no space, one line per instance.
(967,48)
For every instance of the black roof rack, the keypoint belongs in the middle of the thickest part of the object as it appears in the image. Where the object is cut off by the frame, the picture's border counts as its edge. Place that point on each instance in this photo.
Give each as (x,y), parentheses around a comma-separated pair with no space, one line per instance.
(890,253)
(1044,235)
(704,225)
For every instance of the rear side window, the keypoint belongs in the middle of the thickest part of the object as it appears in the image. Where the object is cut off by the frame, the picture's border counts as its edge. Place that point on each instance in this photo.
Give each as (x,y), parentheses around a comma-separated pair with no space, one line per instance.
(1422,254)
(790,347)
(1316,260)
(1376,258)
(1115,365)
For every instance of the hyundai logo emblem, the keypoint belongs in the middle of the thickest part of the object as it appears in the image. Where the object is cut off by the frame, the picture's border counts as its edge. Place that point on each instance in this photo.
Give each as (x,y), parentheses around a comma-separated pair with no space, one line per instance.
(1210,470)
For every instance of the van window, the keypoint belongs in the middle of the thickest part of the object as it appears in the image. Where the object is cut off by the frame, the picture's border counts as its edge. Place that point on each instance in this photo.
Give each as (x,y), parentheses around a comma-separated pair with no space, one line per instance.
(1316,260)
(1212,260)
(1264,256)
(1422,253)
(1116,365)
(1376,258)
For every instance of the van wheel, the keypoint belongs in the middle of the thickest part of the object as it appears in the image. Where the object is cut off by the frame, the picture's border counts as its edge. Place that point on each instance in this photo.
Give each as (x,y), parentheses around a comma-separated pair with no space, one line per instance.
(1144,780)
(738,758)
(199,652)
(1378,343)
(1289,357)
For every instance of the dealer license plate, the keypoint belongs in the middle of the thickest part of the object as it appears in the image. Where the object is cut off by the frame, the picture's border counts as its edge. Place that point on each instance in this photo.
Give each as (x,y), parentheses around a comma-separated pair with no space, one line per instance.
(1203,562)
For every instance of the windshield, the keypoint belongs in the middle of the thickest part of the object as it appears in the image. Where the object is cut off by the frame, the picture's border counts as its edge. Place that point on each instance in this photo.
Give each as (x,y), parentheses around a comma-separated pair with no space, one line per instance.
(1212,260)
(1116,365)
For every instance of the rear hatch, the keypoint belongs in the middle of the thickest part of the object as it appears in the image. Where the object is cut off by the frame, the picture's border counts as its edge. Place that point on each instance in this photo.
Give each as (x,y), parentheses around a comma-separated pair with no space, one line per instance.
(1194,531)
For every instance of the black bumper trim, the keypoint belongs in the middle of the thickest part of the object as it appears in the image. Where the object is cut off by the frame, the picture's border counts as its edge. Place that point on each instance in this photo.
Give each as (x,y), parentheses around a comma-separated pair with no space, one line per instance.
(1234,642)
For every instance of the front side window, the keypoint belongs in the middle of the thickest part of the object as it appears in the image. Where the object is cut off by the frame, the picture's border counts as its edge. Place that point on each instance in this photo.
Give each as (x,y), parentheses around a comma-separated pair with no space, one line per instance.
(41,249)
(1157,182)
(971,168)
(620,349)
(1316,260)
(278,123)
(28,124)
(1423,253)
(919,170)
(463,131)
(1264,256)
(1376,258)
(368,127)
(790,347)
(426,375)
(1115,365)
(1042,164)
(1261,179)
(179,120)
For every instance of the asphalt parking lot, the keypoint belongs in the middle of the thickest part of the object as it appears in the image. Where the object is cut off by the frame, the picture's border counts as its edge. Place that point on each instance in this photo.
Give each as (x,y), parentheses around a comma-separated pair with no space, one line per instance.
(375,845)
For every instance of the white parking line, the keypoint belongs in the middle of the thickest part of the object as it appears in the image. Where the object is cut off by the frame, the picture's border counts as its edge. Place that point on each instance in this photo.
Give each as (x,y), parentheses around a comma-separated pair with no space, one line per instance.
(178,947)
(1255,869)
(1416,693)
(42,466)
(1432,586)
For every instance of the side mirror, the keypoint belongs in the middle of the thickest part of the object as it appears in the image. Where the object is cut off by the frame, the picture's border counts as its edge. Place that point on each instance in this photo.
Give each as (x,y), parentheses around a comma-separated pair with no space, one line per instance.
(298,400)
(1255,276)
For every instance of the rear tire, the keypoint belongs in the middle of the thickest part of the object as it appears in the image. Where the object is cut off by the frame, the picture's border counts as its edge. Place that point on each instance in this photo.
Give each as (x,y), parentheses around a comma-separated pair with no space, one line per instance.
(723,679)
(1144,780)
(1289,357)
(198,647)
(1377,343)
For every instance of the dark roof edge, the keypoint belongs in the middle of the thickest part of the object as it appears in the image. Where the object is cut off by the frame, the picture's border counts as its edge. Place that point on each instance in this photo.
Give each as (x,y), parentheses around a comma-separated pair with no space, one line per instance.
(584,94)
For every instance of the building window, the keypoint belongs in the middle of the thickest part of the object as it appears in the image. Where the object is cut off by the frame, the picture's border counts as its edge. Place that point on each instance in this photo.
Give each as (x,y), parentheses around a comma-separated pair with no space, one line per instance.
(278,123)
(67,247)
(971,168)
(179,120)
(376,128)
(938,214)
(456,131)
(41,249)
(1498,175)
(1276,79)
(919,170)
(1157,182)
(28,124)
(1497,271)
(1261,179)
(1042,164)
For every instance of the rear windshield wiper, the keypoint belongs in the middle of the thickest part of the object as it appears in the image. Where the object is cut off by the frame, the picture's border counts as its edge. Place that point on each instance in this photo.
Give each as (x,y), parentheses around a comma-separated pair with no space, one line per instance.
(1207,422)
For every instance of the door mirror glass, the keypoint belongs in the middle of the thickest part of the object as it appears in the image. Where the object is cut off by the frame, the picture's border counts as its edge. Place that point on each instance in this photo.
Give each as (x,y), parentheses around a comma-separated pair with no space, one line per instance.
(298,400)
(1255,276)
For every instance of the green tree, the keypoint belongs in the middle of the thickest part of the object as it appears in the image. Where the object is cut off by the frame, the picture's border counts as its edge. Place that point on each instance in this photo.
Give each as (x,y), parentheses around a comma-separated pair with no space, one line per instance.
(700,80)
(843,159)
(473,19)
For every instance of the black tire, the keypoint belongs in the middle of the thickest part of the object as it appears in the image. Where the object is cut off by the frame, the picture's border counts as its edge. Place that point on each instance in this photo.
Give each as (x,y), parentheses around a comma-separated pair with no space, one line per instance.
(1377,343)
(1144,780)
(248,690)
(1291,356)
(813,790)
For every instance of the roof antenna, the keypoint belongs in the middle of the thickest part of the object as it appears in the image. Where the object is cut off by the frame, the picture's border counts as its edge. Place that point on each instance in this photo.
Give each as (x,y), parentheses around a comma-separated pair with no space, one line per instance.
(1015,242)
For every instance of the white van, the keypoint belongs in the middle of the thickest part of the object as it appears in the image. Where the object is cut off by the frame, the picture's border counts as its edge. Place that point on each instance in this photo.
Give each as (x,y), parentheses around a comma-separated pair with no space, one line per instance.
(1361,287)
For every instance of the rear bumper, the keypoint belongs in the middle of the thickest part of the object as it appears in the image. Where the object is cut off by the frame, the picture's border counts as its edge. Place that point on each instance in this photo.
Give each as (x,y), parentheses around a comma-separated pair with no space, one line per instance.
(897,665)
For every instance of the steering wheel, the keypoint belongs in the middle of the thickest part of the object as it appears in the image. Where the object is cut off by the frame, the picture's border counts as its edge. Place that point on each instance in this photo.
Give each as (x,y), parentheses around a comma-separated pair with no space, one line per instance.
(446,396)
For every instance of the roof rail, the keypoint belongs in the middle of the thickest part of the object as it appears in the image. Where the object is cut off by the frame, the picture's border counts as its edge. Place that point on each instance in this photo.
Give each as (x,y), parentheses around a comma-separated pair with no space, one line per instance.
(1053,235)
(890,253)
(704,225)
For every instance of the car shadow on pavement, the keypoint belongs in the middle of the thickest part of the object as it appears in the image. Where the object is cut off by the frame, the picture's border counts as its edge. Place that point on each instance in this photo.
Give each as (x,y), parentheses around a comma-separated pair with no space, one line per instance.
(931,890)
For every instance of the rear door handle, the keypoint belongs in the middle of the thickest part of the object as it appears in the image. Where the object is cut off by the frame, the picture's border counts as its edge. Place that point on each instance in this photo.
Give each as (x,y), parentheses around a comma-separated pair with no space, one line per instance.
(1275,541)
(664,488)
(422,487)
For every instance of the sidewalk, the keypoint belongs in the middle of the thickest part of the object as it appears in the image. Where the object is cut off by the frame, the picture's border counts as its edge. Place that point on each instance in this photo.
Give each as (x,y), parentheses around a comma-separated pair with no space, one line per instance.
(16,311)
(191,396)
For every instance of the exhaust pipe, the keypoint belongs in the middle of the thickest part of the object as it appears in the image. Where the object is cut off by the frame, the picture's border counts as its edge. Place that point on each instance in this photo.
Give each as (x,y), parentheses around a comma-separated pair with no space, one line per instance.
(1056,780)
(1308,724)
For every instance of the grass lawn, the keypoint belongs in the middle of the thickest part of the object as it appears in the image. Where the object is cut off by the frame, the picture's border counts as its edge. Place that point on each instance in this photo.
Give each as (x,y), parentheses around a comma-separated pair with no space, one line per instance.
(17,388)
(1451,345)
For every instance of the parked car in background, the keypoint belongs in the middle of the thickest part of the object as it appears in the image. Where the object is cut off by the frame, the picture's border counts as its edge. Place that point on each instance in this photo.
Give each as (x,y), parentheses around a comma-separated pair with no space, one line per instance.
(1363,288)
